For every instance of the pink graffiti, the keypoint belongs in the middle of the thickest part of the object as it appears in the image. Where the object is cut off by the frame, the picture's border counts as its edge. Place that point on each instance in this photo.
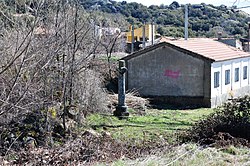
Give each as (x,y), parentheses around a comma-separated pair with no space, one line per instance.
(172,74)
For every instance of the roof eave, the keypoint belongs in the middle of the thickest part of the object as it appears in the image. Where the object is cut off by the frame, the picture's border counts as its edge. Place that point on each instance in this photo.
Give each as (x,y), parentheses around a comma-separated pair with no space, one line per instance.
(162,44)
(232,59)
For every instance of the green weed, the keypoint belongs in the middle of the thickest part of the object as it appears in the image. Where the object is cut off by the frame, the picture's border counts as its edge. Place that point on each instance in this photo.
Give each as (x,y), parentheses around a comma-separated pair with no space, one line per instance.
(155,125)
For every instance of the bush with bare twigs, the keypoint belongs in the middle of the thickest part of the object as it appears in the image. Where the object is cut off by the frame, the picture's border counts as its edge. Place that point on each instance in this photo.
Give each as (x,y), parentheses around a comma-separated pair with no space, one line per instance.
(47,78)
(228,125)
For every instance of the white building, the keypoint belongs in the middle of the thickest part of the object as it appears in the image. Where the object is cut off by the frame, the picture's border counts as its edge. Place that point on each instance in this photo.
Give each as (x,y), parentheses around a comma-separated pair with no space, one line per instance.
(197,71)
(229,70)
(230,79)
(107,31)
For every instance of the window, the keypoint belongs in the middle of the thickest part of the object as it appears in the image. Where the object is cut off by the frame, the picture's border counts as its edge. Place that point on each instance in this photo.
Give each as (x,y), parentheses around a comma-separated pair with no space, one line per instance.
(244,72)
(216,79)
(227,77)
(236,74)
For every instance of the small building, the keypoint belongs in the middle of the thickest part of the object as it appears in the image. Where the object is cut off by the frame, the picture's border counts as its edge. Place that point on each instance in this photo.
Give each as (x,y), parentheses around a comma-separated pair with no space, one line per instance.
(138,33)
(197,72)
(232,42)
(106,31)
(138,42)
(245,44)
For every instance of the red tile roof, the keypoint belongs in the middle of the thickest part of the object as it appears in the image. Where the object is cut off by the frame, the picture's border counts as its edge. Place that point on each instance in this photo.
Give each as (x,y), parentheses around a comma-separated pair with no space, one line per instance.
(209,48)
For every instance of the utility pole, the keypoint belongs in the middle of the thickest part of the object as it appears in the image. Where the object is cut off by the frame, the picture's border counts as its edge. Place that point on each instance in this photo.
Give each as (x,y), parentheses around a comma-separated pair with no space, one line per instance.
(248,37)
(186,22)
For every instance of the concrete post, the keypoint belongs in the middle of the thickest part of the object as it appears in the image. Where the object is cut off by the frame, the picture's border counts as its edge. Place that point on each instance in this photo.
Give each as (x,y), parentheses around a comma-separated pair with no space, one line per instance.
(219,35)
(143,35)
(152,32)
(121,109)
(133,39)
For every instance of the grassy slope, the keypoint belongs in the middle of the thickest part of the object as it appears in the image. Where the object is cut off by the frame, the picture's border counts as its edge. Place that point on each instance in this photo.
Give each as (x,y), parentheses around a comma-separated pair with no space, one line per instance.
(162,125)
(154,125)
(191,154)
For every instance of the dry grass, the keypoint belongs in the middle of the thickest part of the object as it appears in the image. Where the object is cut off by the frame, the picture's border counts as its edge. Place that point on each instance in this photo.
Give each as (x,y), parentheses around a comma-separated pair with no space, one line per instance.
(134,102)
(191,154)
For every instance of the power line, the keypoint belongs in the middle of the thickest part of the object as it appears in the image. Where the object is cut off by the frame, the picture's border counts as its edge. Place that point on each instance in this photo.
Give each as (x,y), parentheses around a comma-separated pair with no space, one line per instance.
(243,7)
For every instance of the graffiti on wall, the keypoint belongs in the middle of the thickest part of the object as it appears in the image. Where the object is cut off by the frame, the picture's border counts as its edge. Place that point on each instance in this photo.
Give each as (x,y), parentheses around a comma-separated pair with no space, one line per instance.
(172,74)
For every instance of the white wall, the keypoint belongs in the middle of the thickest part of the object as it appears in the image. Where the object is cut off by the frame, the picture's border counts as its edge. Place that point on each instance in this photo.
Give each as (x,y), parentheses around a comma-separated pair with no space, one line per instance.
(216,67)
(222,66)
(227,65)
(236,64)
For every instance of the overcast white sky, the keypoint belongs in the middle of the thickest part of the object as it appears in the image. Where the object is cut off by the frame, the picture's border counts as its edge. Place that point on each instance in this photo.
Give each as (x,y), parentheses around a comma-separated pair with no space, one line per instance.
(239,3)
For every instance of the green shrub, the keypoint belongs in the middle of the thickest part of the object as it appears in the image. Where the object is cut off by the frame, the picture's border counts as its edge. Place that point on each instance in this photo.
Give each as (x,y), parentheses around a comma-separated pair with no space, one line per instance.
(229,124)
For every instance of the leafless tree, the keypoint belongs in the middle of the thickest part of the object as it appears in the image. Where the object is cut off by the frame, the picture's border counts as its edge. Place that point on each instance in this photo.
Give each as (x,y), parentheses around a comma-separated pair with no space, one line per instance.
(45,61)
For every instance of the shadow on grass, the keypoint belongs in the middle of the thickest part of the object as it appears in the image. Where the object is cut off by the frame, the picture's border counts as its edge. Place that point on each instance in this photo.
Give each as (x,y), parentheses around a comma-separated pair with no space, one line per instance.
(115,126)
(177,123)
(172,107)
(168,125)
(164,106)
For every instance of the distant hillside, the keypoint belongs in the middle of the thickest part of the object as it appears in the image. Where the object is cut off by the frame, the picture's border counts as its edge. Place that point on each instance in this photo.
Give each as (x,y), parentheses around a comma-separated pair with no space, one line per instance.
(204,20)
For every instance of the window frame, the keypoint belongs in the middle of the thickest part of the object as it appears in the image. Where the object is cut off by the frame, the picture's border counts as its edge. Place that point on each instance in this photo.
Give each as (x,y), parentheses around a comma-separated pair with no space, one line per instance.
(245,72)
(216,79)
(236,74)
(227,77)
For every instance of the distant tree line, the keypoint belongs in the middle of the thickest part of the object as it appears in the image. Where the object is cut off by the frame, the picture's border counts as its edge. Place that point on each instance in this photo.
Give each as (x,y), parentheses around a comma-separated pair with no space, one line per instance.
(204,19)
